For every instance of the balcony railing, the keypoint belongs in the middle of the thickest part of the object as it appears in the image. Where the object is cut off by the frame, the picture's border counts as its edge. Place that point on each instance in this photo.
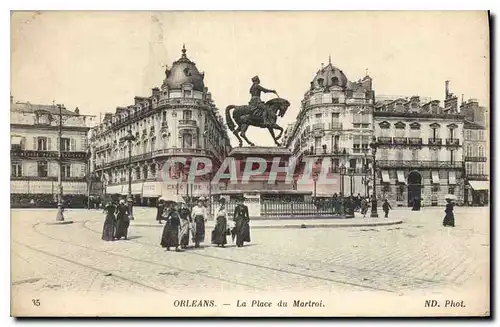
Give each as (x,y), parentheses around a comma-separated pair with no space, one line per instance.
(384,140)
(80,155)
(415,141)
(455,142)
(477,177)
(418,164)
(318,127)
(328,152)
(360,150)
(187,123)
(335,125)
(49,178)
(400,140)
(435,141)
(476,159)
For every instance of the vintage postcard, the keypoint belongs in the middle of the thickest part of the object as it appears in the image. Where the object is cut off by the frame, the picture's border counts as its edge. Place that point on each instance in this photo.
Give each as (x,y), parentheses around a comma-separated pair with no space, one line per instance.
(259,164)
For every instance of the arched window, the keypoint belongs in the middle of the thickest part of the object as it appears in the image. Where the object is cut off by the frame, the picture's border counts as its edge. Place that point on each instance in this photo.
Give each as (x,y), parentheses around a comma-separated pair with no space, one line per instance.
(335,81)
(137,173)
(320,82)
(153,170)
(481,151)
(145,172)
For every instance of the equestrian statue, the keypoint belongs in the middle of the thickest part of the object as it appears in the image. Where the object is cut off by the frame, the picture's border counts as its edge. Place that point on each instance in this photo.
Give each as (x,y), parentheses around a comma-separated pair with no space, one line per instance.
(257,113)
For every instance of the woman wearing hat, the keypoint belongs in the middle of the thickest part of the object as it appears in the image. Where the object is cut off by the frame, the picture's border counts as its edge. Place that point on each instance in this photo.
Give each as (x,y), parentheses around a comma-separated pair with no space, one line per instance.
(122,220)
(219,235)
(185,215)
(241,222)
(199,215)
(449,218)
(108,230)
(170,235)
(159,210)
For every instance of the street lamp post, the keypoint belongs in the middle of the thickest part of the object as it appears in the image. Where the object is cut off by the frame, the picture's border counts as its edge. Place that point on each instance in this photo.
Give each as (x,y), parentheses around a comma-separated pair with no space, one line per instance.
(374,146)
(351,176)
(130,201)
(60,209)
(342,174)
(315,179)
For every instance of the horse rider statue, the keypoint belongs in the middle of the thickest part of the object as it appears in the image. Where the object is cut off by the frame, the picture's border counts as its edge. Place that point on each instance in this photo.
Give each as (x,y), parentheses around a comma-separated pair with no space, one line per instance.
(255,101)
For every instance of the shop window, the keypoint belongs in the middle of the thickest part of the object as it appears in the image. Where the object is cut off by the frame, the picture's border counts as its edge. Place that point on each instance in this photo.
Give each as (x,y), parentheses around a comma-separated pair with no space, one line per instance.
(400,193)
(451,190)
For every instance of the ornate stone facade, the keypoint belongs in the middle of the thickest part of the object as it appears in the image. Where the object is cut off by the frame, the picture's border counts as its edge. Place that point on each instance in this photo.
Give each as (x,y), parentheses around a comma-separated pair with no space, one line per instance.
(178,119)
(335,122)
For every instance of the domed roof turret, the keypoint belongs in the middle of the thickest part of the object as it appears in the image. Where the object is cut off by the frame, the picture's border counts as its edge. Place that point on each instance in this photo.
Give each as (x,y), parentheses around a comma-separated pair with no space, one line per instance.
(329,76)
(184,71)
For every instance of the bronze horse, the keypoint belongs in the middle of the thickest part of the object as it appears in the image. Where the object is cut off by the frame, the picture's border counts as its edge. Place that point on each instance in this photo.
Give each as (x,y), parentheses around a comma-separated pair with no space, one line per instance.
(244,116)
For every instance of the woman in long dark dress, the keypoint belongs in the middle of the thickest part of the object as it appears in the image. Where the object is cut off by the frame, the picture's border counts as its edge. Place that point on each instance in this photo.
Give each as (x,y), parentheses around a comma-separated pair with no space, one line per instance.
(108,231)
(185,215)
(122,220)
(170,235)
(219,235)
(449,218)
(199,215)
(241,220)
(159,210)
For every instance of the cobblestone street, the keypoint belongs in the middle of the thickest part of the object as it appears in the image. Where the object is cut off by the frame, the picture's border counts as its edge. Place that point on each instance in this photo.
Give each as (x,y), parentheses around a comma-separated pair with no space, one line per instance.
(417,255)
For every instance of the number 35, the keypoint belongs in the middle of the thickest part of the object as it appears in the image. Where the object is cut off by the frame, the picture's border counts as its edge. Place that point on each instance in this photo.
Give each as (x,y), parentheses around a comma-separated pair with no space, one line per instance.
(36,302)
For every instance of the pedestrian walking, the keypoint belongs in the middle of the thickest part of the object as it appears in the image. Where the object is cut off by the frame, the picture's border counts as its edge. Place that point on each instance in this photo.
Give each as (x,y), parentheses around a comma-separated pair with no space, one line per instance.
(241,219)
(199,215)
(416,204)
(122,220)
(170,235)
(219,234)
(185,223)
(108,230)
(364,207)
(449,218)
(160,207)
(386,206)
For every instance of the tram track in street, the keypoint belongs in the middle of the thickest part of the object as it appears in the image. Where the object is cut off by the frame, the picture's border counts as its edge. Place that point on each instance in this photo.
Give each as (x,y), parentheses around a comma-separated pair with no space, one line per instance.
(180,270)
(279,270)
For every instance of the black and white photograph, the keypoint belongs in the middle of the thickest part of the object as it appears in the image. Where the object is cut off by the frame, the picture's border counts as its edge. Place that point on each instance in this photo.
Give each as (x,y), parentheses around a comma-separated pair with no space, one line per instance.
(250,164)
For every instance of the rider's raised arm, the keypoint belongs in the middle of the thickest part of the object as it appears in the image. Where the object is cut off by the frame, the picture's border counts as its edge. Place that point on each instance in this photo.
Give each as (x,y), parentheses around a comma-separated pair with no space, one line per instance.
(263,89)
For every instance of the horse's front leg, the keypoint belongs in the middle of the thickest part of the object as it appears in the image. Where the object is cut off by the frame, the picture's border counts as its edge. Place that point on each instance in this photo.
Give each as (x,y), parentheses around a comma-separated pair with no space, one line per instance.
(278,127)
(271,131)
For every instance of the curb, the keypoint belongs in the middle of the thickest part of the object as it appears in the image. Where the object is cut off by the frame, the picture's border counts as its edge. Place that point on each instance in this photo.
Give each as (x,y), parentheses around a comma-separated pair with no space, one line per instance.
(64,222)
(301,226)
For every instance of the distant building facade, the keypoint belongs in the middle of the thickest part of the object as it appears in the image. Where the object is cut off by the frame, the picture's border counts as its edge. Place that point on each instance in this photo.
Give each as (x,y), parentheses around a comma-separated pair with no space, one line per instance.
(420,154)
(34,154)
(335,122)
(476,154)
(179,119)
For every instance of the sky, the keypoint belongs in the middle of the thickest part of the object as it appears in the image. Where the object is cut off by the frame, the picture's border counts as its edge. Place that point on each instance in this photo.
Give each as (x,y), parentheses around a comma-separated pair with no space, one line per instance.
(100,60)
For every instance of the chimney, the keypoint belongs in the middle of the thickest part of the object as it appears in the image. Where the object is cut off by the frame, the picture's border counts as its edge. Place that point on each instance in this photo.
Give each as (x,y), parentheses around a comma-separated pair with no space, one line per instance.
(77,111)
(446,89)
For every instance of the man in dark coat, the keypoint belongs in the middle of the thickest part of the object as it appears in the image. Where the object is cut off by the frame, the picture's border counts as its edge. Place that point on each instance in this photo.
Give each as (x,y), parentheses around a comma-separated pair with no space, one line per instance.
(386,206)
(241,219)
(122,220)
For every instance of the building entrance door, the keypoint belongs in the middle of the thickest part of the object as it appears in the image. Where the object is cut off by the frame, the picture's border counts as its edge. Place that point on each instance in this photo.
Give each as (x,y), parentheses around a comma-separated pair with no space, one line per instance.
(414,187)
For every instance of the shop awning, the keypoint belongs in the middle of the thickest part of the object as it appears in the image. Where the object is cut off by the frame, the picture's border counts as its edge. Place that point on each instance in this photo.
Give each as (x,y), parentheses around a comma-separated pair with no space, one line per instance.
(385,176)
(452,177)
(479,185)
(401,177)
(435,177)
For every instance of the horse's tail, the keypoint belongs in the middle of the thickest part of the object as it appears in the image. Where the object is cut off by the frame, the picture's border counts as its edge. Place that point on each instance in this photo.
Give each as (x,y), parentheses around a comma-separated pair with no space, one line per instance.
(229,120)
